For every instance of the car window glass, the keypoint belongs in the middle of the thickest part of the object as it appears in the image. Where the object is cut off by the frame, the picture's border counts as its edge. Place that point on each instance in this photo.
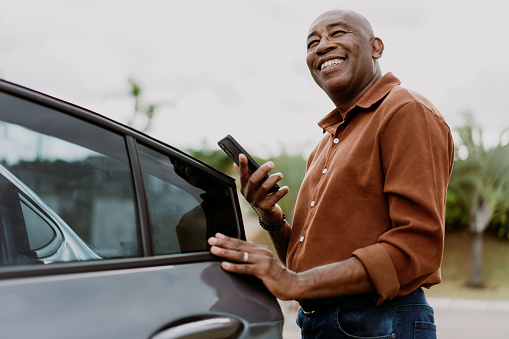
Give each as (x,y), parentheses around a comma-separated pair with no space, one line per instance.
(186,206)
(39,231)
(74,173)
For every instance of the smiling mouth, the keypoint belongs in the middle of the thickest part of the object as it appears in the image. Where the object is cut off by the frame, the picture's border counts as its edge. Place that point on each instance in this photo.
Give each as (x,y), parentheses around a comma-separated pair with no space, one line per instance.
(330,63)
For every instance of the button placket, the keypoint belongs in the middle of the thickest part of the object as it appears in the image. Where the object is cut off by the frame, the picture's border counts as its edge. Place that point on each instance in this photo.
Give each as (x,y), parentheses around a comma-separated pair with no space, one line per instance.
(335,141)
(326,166)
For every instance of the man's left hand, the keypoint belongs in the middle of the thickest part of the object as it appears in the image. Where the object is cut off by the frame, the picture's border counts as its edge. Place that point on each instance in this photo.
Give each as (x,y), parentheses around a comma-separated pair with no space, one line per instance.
(248,258)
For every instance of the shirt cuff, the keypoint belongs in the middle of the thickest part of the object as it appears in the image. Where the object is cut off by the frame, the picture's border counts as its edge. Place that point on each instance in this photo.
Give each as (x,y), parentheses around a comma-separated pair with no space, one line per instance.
(381,271)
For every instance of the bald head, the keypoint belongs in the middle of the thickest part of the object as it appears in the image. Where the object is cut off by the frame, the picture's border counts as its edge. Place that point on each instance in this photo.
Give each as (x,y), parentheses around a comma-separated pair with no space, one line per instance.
(359,20)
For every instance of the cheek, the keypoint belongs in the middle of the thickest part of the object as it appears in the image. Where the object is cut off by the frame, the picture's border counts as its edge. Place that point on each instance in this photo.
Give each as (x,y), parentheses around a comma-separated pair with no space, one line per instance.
(309,61)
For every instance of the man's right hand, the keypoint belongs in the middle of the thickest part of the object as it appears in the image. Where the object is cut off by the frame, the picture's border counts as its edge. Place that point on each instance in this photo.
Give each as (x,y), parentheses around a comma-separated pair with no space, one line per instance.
(257,195)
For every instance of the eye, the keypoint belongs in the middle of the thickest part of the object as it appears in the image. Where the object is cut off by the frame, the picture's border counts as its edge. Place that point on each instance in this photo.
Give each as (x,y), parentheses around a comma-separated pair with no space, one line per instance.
(312,43)
(338,33)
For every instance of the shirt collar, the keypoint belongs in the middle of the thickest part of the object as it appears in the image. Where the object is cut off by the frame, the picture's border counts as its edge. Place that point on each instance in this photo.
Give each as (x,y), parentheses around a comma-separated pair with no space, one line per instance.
(376,93)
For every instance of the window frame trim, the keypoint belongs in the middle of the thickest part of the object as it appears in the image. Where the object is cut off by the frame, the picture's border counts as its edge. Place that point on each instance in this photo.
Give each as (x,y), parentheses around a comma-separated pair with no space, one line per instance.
(76,267)
(141,203)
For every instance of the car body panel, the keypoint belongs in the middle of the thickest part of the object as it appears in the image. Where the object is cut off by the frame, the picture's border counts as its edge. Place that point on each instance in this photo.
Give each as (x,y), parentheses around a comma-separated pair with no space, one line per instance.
(180,295)
(142,301)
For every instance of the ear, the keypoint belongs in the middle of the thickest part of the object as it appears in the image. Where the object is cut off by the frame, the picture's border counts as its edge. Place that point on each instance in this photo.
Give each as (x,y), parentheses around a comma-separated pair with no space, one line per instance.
(378,48)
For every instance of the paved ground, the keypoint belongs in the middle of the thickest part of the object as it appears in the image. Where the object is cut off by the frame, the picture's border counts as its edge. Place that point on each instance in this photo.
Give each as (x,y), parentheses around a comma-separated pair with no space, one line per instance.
(455,319)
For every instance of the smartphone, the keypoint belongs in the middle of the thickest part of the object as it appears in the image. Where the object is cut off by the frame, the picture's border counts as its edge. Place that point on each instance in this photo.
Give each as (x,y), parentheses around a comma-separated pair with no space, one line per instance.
(232,148)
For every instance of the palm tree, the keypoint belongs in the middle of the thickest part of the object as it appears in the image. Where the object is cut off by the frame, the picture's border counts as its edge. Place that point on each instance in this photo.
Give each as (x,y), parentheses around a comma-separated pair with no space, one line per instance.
(479,182)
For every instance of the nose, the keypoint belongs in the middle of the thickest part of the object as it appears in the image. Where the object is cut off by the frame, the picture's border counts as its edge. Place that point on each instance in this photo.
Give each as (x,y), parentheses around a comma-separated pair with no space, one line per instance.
(324,46)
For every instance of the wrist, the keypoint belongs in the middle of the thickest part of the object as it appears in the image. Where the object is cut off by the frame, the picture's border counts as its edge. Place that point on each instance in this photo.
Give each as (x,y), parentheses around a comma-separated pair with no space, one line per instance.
(272,228)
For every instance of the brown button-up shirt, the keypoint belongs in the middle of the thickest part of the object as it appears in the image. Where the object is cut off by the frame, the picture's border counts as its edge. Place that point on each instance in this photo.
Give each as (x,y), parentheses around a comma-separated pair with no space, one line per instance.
(375,188)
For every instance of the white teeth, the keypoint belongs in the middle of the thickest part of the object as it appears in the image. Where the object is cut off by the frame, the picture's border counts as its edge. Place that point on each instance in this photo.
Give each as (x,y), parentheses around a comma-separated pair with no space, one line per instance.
(330,63)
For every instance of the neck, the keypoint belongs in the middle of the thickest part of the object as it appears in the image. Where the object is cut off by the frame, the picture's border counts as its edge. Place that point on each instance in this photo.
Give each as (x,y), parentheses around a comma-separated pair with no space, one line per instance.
(346,101)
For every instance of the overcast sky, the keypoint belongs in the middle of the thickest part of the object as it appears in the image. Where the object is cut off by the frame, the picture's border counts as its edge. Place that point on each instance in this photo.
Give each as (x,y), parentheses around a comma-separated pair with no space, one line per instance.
(238,67)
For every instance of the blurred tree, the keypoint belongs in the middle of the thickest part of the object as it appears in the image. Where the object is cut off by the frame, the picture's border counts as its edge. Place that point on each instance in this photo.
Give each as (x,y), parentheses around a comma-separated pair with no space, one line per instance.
(293,168)
(215,158)
(500,222)
(479,183)
(142,111)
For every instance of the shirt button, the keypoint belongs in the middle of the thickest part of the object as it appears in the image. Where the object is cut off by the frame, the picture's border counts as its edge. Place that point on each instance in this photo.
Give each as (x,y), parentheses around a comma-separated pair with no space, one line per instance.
(301,239)
(336,140)
(312,203)
(324,171)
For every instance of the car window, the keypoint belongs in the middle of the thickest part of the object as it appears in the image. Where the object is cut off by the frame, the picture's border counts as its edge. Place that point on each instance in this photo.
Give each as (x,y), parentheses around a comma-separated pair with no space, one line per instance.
(39,230)
(186,205)
(72,180)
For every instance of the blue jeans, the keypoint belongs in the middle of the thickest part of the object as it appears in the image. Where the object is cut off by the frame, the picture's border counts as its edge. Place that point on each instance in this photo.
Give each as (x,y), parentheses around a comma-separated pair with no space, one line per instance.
(406,317)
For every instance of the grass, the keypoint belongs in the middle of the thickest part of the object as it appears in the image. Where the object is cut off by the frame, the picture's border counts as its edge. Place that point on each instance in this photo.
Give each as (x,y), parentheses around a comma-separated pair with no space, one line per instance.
(456,269)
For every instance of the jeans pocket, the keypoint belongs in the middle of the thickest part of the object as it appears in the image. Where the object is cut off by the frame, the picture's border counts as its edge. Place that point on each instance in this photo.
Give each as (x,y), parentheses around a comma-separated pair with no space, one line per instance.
(416,321)
(425,330)
(376,322)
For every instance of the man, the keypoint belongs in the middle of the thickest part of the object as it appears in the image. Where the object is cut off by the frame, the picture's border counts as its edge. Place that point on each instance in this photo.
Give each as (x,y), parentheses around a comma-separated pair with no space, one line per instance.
(368,227)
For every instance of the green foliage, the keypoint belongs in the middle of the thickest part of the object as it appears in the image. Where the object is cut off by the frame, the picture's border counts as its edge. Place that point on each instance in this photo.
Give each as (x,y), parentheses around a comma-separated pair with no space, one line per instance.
(215,158)
(500,223)
(142,112)
(293,168)
(479,183)
(455,216)
(135,88)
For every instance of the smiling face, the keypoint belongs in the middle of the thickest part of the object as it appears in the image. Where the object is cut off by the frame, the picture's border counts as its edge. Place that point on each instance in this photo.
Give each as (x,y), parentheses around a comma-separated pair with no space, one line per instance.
(342,54)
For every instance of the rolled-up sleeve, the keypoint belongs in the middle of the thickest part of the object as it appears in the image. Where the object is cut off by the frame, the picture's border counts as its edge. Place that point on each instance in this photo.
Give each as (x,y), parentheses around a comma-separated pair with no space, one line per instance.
(417,154)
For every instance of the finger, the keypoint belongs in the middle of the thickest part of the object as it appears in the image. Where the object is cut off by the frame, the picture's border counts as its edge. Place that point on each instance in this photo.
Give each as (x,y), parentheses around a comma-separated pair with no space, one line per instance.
(256,177)
(243,169)
(259,175)
(224,238)
(237,268)
(273,198)
(271,181)
(223,241)
(243,257)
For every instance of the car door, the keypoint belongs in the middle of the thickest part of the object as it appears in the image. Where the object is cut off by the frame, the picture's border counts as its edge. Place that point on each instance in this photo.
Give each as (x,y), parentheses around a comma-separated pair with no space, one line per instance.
(103,233)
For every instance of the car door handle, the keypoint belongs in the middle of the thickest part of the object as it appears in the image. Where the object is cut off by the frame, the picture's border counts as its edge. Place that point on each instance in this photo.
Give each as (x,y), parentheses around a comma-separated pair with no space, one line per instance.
(218,327)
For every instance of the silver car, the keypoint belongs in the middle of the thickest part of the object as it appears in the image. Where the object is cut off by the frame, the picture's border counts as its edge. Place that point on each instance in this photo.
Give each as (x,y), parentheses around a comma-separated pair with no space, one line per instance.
(50,238)
(103,233)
